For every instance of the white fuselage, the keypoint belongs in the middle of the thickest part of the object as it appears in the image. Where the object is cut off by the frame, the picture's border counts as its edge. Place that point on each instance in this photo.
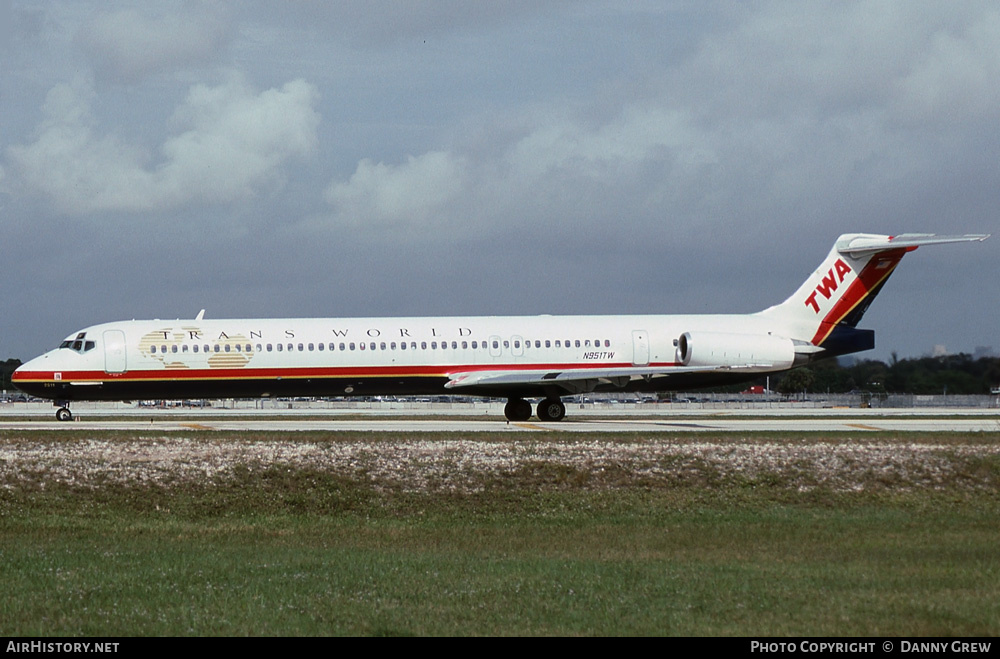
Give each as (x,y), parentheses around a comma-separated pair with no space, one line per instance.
(355,356)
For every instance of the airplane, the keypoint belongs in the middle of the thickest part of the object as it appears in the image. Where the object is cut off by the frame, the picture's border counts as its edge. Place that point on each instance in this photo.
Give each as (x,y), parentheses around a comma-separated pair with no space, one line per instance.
(514,357)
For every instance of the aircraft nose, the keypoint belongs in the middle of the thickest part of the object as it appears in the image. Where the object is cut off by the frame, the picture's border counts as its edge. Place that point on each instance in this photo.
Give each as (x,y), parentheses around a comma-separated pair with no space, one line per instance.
(27,376)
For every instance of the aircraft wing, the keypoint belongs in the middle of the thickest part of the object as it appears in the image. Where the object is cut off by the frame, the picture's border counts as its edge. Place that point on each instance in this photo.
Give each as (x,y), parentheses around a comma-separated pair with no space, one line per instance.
(577,380)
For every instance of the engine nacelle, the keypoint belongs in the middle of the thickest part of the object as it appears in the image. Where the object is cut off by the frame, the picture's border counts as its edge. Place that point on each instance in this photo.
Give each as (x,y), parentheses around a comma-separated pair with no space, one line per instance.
(750,351)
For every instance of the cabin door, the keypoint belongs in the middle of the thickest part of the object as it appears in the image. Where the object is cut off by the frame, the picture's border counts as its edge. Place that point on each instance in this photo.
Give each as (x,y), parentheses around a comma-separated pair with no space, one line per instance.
(640,348)
(114,351)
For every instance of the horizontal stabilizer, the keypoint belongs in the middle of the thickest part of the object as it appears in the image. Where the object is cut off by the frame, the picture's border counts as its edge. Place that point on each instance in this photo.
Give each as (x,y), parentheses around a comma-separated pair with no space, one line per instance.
(866,244)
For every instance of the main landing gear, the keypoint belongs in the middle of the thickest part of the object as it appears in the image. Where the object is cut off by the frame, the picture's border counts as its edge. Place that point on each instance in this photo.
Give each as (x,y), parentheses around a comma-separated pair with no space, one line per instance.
(549,409)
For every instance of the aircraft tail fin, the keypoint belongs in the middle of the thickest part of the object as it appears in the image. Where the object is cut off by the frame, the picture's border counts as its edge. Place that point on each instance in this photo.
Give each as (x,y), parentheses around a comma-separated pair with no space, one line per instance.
(826,309)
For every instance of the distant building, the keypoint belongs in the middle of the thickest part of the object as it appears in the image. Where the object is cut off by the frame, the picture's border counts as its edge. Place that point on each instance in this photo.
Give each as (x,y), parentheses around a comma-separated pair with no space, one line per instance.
(939,350)
(982,352)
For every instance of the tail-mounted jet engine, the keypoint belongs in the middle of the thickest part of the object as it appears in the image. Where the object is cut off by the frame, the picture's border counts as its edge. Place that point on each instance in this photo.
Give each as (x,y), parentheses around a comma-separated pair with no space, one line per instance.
(735,350)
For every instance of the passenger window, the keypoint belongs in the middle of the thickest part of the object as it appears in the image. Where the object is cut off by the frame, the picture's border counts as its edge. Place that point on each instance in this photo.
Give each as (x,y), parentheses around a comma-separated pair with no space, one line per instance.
(496,345)
(311,347)
(465,345)
(239,348)
(548,343)
(281,347)
(423,345)
(352,346)
(381,346)
(321,347)
(342,347)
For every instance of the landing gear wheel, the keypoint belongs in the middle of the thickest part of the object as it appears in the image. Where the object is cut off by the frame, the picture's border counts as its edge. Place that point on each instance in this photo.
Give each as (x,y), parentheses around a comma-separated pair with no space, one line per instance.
(551,409)
(63,414)
(517,409)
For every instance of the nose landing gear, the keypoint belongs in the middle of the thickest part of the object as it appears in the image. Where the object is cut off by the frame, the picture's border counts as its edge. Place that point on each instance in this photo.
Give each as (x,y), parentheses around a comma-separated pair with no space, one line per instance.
(63,413)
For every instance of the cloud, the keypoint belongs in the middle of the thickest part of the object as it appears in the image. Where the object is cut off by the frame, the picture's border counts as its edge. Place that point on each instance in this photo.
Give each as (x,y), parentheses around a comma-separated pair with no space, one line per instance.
(955,75)
(375,24)
(127,45)
(802,120)
(231,143)
(414,192)
(554,172)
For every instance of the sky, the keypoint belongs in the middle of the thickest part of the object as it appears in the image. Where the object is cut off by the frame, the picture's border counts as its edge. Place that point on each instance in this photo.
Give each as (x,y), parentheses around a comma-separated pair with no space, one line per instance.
(417,157)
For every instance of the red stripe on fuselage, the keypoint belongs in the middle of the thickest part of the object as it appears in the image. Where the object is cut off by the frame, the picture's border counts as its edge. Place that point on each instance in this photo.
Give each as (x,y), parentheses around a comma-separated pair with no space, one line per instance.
(302,372)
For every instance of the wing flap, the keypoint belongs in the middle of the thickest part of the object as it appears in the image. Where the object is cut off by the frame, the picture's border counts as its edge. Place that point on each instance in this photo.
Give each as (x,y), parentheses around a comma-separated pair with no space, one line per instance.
(575,380)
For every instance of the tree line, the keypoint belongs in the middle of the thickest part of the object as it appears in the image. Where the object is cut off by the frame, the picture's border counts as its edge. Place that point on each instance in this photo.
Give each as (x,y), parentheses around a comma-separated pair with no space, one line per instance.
(6,368)
(948,374)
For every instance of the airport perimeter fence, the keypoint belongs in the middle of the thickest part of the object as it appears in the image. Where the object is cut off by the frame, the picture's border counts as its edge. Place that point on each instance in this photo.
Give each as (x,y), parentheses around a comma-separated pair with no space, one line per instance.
(694,400)
(602,404)
(855,400)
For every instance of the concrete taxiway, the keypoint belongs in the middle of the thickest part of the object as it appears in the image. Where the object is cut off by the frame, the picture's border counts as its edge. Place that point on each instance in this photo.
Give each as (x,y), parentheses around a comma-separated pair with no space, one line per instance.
(479,421)
(948,422)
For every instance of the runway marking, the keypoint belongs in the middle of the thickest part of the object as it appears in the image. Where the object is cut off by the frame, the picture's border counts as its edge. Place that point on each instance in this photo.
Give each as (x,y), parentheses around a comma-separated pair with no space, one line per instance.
(862,426)
(530,426)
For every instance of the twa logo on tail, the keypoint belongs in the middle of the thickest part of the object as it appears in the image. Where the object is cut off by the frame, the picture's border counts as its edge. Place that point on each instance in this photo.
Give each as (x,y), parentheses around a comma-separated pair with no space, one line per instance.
(829,284)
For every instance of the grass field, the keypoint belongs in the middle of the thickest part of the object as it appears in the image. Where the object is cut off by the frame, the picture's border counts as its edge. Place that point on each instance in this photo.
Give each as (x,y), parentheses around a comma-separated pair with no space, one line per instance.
(300,533)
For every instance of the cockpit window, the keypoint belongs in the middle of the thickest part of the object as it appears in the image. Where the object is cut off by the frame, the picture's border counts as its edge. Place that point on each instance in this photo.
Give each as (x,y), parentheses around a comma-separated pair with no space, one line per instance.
(79,344)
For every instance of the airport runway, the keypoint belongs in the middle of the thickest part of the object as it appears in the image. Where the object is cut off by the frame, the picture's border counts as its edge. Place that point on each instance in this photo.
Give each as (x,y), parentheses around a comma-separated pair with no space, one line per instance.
(164,423)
